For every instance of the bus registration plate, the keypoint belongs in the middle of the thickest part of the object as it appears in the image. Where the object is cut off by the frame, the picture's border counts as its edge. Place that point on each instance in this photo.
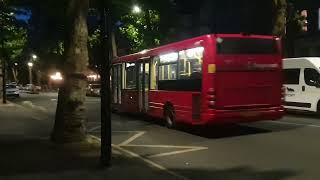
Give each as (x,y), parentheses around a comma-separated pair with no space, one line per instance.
(250,114)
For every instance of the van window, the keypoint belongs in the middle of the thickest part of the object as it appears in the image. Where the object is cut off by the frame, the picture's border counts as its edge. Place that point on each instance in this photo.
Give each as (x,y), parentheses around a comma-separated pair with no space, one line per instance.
(230,46)
(311,76)
(291,76)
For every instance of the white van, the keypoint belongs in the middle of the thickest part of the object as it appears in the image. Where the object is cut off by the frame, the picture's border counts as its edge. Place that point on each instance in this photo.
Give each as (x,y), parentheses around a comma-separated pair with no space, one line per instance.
(302,83)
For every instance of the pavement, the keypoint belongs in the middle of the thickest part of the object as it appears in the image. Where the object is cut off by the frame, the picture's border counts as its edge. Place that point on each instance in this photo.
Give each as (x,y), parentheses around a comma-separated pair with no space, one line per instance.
(287,149)
(26,153)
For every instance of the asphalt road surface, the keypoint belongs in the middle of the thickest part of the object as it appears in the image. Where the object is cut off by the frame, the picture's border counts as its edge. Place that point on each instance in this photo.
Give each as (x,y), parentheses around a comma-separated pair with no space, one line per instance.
(271,150)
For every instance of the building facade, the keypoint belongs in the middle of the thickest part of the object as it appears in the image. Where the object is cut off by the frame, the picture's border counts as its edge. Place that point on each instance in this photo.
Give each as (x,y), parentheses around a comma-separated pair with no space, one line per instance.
(309,43)
(200,17)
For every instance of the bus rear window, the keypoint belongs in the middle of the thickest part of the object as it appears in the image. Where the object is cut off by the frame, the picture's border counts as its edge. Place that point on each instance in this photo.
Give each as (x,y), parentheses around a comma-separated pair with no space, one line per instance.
(246,46)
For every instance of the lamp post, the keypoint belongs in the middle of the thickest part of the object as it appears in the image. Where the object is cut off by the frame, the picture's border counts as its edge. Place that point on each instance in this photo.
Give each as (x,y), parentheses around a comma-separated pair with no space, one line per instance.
(15,72)
(30,65)
(106,55)
(136,9)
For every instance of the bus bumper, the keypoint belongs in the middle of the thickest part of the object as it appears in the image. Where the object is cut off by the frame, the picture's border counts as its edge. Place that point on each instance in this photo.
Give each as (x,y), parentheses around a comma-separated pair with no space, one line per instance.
(241,116)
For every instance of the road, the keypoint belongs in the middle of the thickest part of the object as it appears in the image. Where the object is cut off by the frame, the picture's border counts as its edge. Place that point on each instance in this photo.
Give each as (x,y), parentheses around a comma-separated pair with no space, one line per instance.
(271,150)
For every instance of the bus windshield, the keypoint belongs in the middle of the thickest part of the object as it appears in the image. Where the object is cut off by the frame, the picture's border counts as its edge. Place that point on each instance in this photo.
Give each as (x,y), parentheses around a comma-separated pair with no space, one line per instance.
(246,46)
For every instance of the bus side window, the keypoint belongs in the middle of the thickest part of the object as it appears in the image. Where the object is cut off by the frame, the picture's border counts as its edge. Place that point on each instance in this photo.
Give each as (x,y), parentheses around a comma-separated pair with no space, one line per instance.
(154,73)
(130,76)
(190,63)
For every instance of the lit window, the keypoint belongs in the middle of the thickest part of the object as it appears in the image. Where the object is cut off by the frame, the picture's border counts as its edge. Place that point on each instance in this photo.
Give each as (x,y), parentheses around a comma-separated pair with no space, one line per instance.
(130,76)
(169,58)
(190,63)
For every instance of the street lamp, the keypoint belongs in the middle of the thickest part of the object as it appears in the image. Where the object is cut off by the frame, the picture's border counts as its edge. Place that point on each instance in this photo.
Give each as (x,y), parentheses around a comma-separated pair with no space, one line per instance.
(30,65)
(34,57)
(56,77)
(136,9)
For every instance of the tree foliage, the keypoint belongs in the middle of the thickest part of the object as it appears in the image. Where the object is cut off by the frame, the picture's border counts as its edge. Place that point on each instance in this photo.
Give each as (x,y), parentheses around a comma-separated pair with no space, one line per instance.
(280,16)
(141,33)
(15,42)
(13,33)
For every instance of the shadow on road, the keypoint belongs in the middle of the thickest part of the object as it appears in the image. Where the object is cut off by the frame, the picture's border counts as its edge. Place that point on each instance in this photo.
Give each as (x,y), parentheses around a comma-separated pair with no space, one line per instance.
(39,159)
(239,173)
(26,156)
(212,132)
(303,114)
(223,131)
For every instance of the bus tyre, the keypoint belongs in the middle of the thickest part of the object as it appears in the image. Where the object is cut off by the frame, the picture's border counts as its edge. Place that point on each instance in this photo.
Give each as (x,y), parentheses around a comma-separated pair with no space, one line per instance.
(169,118)
(318,109)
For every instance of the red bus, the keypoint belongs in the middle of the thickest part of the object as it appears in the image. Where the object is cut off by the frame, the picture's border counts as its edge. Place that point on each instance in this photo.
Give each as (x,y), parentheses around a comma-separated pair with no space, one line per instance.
(212,79)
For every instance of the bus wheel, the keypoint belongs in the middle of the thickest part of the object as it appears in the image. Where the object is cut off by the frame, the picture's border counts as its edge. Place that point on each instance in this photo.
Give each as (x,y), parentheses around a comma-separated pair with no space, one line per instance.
(170,118)
(318,109)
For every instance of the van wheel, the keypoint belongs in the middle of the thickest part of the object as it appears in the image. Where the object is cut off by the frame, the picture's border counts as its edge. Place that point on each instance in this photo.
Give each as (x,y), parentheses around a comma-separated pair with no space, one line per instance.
(169,117)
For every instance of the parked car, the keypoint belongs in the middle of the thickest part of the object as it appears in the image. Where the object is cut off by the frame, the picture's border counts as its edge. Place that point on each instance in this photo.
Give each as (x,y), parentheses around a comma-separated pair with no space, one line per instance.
(302,84)
(31,88)
(93,90)
(12,90)
(28,87)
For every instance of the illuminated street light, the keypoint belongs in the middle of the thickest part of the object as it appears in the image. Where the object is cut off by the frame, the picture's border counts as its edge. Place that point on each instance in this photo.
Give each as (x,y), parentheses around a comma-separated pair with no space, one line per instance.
(30,64)
(34,56)
(16,64)
(136,9)
(56,77)
(93,77)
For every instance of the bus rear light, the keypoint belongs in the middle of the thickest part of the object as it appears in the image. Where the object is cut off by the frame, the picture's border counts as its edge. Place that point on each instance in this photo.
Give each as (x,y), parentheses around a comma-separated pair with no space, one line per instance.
(211,97)
(212,103)
(211,91)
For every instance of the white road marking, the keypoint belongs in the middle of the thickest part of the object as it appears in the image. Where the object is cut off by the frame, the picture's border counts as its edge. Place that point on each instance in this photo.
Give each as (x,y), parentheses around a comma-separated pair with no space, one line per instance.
(177,152)
(151,163)
(92,100)
(114,151)
(295,124)
(118,149)
(94,128)
(186,149)
(138,134)
(36,118)
(127,131)
(132,138)
(162,146)
(98,123)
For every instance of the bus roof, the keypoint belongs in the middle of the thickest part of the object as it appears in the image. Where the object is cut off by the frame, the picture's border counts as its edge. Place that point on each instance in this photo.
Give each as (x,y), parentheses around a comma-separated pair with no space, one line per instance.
(184,44)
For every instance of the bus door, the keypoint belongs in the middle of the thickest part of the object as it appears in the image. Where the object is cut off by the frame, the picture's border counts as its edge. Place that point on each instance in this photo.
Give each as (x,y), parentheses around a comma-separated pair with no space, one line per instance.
(116,84)
(144,83)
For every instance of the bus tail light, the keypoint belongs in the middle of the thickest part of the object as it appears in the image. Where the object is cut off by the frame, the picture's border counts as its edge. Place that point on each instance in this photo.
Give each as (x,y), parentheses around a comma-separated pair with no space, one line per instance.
(211,98)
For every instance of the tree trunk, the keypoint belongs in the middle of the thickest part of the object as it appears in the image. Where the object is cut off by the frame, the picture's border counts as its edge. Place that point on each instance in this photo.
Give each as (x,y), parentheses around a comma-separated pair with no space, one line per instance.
(280,16)
(70,122)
